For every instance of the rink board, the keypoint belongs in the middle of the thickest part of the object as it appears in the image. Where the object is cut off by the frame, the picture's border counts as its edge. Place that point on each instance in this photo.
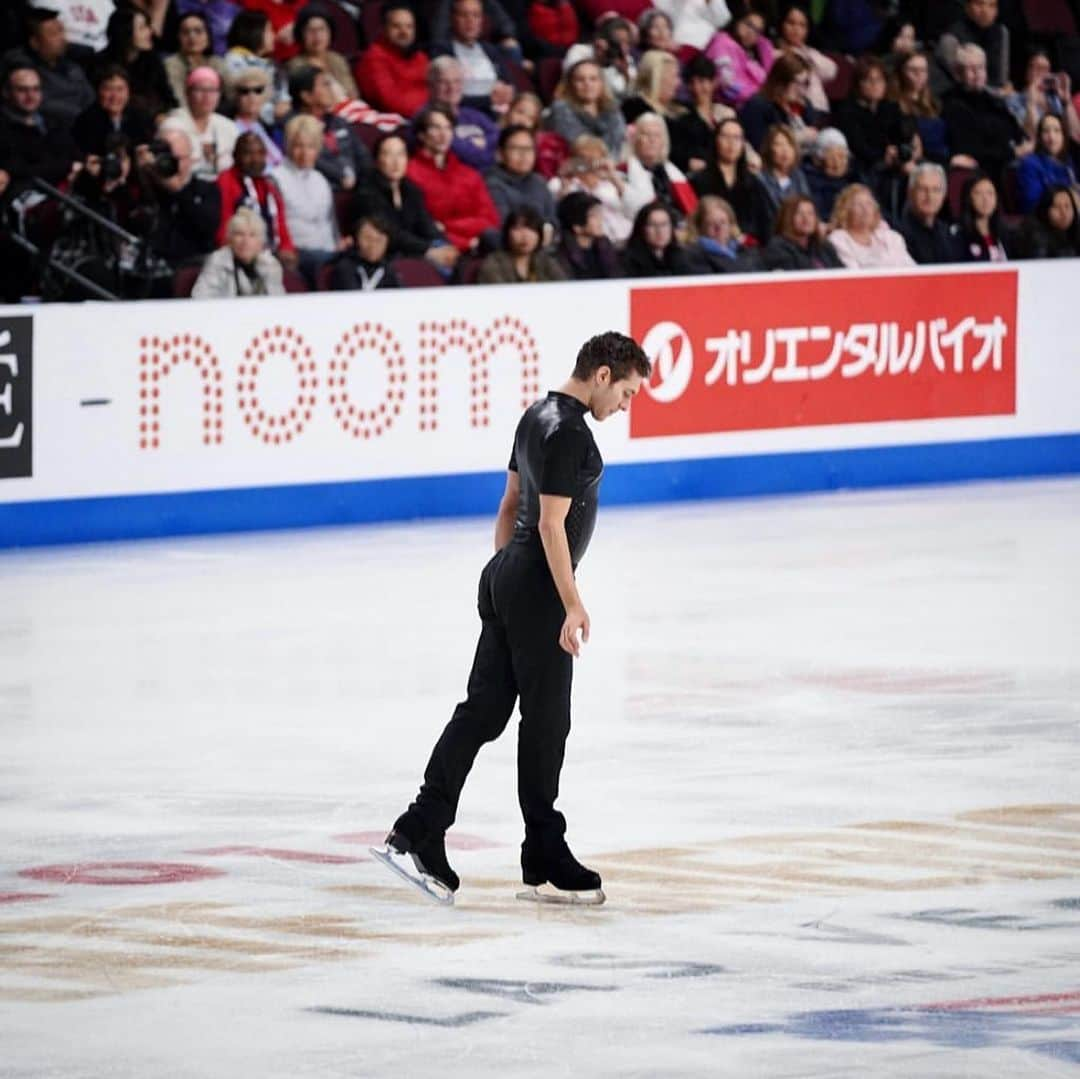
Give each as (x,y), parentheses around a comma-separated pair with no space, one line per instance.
(147,419)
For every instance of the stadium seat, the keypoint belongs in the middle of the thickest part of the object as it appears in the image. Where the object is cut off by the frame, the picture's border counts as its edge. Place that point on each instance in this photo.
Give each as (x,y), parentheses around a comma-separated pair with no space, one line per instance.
(417,273)
(184,281)
(957,178)
(839,86)
(324,278)
(293,281)
(346,41)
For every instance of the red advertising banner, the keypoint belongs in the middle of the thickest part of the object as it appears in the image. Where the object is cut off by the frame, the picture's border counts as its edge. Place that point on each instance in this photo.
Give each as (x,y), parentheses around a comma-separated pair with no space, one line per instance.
(739,357)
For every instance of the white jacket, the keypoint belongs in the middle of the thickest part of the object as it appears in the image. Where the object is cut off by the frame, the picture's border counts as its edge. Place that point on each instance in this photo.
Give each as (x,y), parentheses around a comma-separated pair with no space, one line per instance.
(695,21)
(220,278)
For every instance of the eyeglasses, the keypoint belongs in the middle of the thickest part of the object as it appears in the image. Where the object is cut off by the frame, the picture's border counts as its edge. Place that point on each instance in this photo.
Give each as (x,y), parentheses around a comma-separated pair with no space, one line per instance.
(243,91)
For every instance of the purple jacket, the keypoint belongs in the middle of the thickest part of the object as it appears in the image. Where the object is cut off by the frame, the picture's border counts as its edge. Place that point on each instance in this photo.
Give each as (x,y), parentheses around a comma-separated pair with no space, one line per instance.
(738,75)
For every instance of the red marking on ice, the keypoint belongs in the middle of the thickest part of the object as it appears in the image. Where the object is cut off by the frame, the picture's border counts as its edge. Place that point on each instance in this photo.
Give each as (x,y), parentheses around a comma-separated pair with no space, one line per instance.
(1042,1002)
(20,897)
(121,873)
(283,855)
(454,840)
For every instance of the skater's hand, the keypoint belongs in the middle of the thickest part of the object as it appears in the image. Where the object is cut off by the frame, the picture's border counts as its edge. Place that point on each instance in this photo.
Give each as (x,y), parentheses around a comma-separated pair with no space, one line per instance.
(577,620)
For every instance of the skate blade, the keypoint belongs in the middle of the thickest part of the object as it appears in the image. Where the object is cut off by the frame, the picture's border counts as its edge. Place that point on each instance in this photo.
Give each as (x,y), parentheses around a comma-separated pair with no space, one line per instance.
(427,886)
(547,893)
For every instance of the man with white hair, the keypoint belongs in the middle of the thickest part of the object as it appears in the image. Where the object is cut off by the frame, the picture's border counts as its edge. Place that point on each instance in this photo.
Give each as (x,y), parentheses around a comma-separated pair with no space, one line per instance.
(982,132)
(475,134)
(929,239)
(979,25)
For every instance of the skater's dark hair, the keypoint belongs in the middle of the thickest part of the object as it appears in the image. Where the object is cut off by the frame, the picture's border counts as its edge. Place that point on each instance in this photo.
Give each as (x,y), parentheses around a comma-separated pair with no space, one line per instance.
(620,353)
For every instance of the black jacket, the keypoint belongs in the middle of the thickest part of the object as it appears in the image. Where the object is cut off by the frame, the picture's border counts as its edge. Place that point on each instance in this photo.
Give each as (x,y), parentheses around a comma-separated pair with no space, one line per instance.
(742,194)
(349,270)
(29,150)
(598,262)
(870,133)
(784,254)
(414,229)
(639,261)
(93,126)
(703,261)
(980,124)
(928,246)
(184,225)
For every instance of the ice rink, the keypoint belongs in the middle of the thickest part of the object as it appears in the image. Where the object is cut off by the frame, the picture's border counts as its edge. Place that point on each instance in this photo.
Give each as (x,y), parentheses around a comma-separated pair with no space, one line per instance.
(825,754)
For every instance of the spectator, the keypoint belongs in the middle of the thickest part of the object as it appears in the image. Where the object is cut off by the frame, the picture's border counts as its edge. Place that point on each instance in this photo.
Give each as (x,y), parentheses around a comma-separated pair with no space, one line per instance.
(693,134)
(367,266)
(250,92)
(551,148)
(652,250)
(1045,93)
(798,243)
(251,45)
(554,27)
(729,176)
(504,30)
(655,88)
(861,237)
(106,181)
(792,38)
(455,194)
(590,169)
(475,133)
(314,34)
(929,240)
(650,176)
(243,267)
(583,105)
(282,16)
(218,14)
(655,31)
(612,50)
(715,242)
(829,170)
(343,158)
(982,132)
(212,134)
(782,100)
(521,259)
(111,113)
(743,56)
(29,147)
(392,72)
(131,45)
(982,235)
(247,184)
(309,202)
(66,92)
(390,194)
(160,14)
(595,11)
(695,22)
(486,79)
(1054,231)
(193,35)
(1048,166)
(514,182)
(585,252)
(911,91)
(978,26)
(898,41)
(874,126)
(780,178)
(181,209)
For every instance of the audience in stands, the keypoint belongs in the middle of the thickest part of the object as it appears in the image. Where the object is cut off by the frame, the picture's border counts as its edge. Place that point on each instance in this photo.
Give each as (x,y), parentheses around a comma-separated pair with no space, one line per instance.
(392,73)
(797,242)
(250,91)
(729,176)
(314,32)
(367,266)
(694,23)
(792,38)
(584,251)
(344,158)
(247,185)
(112,113)
(487,81)
(514,181)
(743,56)
(475,133)
(131,46)
(65,89)
(243,266)
(693,133)
(655,31)
(782,100)
(650,175)
(1044,92)
(911,91)
(829,170)
(1054,231)
(195,49)
(521,258)
(780,178)
(860,235)
(612,49)
(715,243)
(981,233)
(653,250)
(553,26)
(978,26)
(590,169)
(1048,166)
(655,88)
(928,237)
(219,15)
(584,105)
(212,134)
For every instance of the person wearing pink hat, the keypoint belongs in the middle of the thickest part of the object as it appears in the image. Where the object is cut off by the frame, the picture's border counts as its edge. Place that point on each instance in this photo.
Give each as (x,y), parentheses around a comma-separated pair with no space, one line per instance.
(212,135)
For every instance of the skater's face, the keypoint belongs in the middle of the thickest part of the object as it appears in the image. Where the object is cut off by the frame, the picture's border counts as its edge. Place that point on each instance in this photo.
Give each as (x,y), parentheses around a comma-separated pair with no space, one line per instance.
(611,397)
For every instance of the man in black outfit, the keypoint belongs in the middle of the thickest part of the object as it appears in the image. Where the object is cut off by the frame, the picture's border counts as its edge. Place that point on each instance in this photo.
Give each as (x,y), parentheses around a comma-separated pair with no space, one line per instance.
(531,615)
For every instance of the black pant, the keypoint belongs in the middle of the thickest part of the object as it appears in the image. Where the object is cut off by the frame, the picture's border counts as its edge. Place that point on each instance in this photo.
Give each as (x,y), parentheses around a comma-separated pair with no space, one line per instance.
(518,657)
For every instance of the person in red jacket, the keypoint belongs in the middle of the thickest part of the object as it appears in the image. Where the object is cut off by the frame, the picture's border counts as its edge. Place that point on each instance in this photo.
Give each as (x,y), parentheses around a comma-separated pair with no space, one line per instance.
(455,194)
(246,184)
(392,72)
(554,23)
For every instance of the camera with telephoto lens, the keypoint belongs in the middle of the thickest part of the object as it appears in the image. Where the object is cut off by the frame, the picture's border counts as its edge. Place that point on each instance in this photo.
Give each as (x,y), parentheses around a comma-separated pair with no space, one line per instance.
(164,164)
(112,166)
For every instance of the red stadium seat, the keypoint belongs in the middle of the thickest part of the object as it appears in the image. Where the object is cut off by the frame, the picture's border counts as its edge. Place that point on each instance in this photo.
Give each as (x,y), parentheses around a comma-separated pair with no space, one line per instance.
(343,210)
(957,178)
(293,281)
(184,281)
(1010,190)
(1049,18)
(838,88)
(417,273)
(346,41)
(324,279)
(548,74)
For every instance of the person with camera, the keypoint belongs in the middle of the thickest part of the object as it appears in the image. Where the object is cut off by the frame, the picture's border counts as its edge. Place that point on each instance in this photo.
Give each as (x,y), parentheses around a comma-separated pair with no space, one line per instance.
(1046,92)
(111,114)
(179,211)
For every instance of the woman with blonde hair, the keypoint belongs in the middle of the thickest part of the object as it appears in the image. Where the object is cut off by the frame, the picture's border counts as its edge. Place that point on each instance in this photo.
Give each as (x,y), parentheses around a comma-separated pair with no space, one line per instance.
(861,237)
(243,267)
(250,91)
(650,175)
(584,105)
(714,242)
(655,87)
(589,168)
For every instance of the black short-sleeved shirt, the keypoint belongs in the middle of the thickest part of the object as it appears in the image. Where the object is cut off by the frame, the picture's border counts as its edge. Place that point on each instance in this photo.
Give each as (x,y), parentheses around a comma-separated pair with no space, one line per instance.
(555,454)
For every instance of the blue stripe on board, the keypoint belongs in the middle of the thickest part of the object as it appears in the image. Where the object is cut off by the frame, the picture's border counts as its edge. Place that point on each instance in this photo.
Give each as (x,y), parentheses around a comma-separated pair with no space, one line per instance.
(244,509)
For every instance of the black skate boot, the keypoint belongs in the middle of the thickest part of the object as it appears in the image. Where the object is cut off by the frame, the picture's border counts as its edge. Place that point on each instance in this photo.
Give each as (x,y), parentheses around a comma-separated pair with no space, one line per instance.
(558,877)
(423,865)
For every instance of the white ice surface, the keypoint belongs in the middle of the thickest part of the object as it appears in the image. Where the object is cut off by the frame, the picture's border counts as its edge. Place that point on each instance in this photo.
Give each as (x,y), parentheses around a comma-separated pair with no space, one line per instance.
(764,678)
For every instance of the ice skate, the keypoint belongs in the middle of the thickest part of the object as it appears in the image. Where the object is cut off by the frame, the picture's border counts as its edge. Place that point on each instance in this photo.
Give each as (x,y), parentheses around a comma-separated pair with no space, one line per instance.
(425,868)
(561,879)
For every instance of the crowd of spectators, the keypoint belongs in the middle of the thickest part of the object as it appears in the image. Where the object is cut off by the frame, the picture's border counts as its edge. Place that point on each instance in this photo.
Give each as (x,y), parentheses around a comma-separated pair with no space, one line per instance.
(253,147)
